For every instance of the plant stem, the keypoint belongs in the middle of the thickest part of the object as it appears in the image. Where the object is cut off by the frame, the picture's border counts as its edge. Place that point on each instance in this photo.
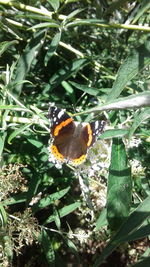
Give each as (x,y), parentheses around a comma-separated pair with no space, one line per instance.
(79,22)
(27,8)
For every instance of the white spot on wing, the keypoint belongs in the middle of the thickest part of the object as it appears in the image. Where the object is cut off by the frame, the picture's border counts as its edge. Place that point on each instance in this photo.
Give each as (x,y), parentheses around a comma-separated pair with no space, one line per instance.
(96,125)
(60,114)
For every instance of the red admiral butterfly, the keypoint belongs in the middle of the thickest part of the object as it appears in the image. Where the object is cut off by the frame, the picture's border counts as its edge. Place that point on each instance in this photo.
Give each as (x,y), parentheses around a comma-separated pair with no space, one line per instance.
(71,140)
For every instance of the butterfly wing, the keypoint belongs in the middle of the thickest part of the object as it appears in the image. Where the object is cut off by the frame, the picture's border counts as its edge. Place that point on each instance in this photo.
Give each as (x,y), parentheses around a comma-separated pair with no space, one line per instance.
(60,121)
(91,131)
(62,129)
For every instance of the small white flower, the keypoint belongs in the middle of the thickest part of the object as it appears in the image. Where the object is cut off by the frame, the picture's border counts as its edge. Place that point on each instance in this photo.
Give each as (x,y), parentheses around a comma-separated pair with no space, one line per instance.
(136,167)
(134,142)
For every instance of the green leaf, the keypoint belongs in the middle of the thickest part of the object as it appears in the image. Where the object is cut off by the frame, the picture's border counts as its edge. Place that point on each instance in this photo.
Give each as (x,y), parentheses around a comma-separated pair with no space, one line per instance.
(69,90)
(88,22)
(144,6)
(130,102)
(55,4)
(53,47)
(17,132)
(64,211)
(134,221)
(102,220)
(5,45)
(33,185)
(2,142)
(131,225)
(34,142)
(13,107)
(114,133)
(139,234)
(73,14)
(138,119)
(3,216)
(26,60)
(119,186)
(67,71)
(57,218)
(85,88)
(19,198)
(48,248)
(133,64)
(45,25)
(71,246)
(44,202)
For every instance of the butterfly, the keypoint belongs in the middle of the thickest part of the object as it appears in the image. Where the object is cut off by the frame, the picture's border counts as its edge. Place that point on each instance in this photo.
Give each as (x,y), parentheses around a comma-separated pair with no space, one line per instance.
(71,140)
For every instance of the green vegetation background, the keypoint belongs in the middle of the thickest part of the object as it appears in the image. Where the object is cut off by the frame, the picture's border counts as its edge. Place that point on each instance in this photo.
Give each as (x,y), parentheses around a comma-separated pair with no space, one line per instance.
(88,57)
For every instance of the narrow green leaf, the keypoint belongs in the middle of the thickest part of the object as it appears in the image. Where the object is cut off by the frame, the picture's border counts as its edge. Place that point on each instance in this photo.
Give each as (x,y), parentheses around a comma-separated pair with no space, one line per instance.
(13,107)
(17,132)
(67,71)
(133,64)
(44,202)
(102,220)
(64,211)
(2,142)
(43,17)
(129,102)
(135,220)
(73,14)
(53,47)
(34,142)
(55,4)
(119,186)
(144,231)
(144,6)
(26,60)
(5,45)
(71,246)
(19,198)
(45,25)
(57,218)
(70,91)
(67,87)
(114,133)
(3,216)
(131,225)
(48,248)
(85,88)
(138,119)
(88,22)
(33,185)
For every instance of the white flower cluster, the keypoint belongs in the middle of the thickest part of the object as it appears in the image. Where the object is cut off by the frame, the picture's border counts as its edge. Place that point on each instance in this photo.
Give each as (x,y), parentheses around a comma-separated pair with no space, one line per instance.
(134,142)
(89,174)
(98,160)
(136,168)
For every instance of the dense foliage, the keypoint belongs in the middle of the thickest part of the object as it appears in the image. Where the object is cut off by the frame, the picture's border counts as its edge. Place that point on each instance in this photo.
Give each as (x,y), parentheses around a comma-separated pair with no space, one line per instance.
(92,59)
